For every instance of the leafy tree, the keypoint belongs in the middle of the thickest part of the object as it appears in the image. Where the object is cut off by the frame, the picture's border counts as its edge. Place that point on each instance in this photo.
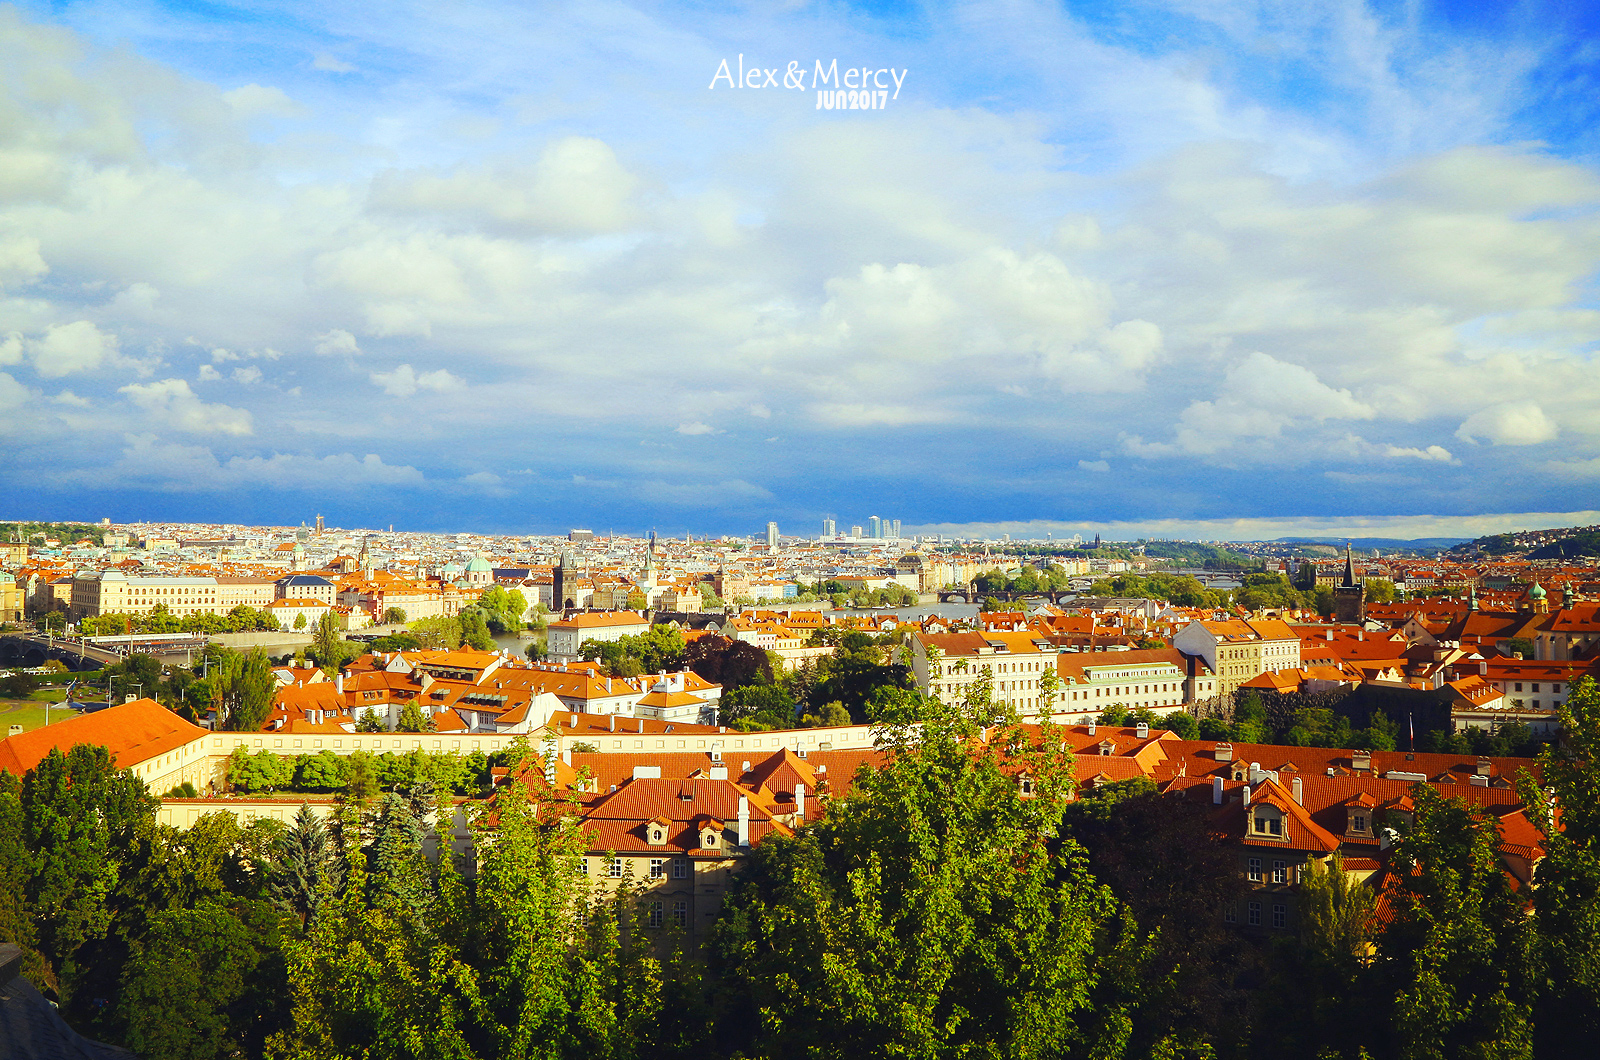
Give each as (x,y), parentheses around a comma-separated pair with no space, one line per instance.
(370,721)
(323,771)
(1165,862)
(475,629)
(751,700)
(329,646)
(438,632)
(262,771)
(17,685)
(79,815)
(935,911)
(300,621)
(394,616)
(1379,590)
(243,689)
(412,720)
(192,988)
(1566,888)
(1457,951)
(138,674)
(729,663)
(1181,723)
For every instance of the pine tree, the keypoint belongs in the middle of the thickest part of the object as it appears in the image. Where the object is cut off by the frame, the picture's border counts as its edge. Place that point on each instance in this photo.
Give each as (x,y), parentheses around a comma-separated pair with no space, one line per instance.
(306,869)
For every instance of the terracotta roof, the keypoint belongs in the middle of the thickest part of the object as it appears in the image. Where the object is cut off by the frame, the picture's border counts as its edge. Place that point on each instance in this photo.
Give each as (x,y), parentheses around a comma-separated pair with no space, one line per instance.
(133,732)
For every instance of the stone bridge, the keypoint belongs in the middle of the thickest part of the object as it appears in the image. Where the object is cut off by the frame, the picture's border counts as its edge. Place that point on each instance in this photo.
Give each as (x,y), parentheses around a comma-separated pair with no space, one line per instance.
(977,596)
(32,649)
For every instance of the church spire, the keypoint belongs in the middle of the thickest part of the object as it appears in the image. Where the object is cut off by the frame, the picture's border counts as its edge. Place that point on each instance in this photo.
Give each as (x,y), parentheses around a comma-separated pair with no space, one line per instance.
(1349,568)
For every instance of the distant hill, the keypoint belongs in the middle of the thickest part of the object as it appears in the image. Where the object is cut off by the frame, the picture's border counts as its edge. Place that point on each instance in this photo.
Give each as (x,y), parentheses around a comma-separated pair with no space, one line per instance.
(1569,542)
(1419,544)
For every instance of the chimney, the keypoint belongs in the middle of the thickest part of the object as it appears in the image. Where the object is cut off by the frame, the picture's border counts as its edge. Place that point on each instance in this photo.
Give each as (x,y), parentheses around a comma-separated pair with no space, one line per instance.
(1142,731)
(1299,791)
(641,726)
(744,821)
(572,723)
(800,801)
(1247,795)
(338,682)
(613,723)
(1223,752)
(1330,634)
(719,772)
(1091,728)
(1216,791)
(1483,667)
(1483,767)
(1361,761)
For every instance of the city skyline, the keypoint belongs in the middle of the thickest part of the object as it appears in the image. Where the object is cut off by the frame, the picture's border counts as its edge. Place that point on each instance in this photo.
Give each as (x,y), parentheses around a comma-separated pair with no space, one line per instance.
(1220,272)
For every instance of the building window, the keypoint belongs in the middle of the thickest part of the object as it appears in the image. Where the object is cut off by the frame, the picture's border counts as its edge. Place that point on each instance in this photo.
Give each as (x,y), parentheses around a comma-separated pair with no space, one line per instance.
(1535,687)
(680,914)
(1230,913)
(615,867)
(1359,824)
(1278,871)
(658,868)
(1280,915)
(1255,914)
(1255,870)
(656,918)
(1518,686)
(680,868)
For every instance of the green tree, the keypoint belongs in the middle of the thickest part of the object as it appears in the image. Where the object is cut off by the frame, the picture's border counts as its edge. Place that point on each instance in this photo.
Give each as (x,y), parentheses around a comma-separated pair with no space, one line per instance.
(306,868)
(370,721)
(475,629)
(1566,888)
(1457,951)
(1379,590)
(300,621)
(412,719)
(1181,723)
(329,646)
(394,616)
(192,988)
(243,689)
(79,817)
(935,911)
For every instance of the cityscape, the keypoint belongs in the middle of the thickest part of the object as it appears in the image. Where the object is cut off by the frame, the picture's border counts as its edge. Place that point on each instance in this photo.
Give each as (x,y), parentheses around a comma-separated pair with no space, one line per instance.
(953,531)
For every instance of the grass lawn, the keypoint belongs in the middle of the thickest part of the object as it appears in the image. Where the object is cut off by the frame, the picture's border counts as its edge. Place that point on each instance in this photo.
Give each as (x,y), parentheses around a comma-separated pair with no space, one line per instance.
(28,714)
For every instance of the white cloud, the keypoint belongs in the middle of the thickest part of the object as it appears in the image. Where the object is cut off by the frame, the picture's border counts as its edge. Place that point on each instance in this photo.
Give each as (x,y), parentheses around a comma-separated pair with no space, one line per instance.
(69,348)
(1258,399)
(252,101)
(695,428)
(336,341)
(1512,423)
(1432,452)
(11,349)
(1097,466)
(209,374)
(403,381)
(180,407)
(67,397)
(247,375)
(20,263)
(326,62)
(760,411)
(13,395)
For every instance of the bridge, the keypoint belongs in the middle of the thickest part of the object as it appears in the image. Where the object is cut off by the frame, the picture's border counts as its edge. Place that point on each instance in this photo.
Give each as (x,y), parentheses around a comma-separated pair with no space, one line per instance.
(977,596)
(31,649)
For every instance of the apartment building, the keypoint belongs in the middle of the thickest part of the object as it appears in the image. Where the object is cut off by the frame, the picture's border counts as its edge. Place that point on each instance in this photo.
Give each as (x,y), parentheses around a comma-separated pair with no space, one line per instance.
(1237,649)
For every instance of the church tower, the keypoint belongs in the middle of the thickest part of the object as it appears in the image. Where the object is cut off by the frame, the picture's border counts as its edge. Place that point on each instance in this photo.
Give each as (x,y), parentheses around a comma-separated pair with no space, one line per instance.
(1350,595)
(565,583)
(365,560)
(648,580)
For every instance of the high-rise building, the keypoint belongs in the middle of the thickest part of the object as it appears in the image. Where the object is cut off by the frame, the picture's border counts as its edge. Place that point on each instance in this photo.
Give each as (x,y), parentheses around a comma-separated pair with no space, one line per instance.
(772,537)
(855,532)
(896,533)
(874,527)
(828,528)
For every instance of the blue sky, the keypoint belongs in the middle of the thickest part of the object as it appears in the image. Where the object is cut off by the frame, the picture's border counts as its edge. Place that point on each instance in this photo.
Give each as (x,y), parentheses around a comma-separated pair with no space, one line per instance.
(1196,268)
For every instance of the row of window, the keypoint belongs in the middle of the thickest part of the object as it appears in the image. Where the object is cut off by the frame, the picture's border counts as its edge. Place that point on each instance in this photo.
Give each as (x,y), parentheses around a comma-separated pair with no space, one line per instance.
(680,914)
(1555,686)
(1280,914)
(1280,871)
(658,868)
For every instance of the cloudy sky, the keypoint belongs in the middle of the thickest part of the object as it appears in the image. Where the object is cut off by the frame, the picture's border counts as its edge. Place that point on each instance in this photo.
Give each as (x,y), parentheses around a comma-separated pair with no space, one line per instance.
(1183,265)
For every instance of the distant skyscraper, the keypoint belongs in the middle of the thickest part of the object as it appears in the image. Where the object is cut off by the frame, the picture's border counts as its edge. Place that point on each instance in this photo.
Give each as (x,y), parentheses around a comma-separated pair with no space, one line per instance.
(874,527)
(828,528)
(772,537)
(855,531)
(896,533)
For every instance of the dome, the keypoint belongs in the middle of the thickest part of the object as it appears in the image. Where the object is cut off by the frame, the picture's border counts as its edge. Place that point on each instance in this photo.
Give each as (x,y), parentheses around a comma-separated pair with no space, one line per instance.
(478,563)
(1537,592)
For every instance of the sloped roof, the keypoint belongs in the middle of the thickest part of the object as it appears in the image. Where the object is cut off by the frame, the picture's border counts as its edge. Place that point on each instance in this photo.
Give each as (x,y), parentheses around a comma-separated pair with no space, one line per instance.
(133,732)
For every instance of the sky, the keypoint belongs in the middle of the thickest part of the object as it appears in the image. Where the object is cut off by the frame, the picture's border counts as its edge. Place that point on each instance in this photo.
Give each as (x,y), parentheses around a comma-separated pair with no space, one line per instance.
(1195,268)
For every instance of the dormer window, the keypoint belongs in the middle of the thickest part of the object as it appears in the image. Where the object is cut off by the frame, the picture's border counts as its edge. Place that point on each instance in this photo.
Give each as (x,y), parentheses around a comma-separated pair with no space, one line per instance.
(1268,822)
(709,840)
(1025,784)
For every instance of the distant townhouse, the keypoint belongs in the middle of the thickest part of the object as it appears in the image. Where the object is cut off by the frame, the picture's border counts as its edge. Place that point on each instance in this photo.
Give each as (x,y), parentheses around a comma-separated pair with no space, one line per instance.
(1236,649)
(566,637)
